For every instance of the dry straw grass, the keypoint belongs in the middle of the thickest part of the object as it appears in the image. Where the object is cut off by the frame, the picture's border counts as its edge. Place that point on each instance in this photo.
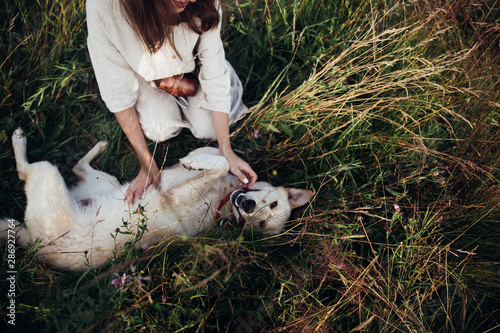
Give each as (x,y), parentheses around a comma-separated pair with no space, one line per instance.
(374,79)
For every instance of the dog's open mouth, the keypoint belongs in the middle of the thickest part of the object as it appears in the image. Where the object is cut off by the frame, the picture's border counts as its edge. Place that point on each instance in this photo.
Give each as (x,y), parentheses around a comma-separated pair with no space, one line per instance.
(240,202)
(237,197)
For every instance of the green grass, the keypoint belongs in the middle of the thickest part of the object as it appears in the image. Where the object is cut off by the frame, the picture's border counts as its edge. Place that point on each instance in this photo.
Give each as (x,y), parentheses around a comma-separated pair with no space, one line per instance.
(388,110)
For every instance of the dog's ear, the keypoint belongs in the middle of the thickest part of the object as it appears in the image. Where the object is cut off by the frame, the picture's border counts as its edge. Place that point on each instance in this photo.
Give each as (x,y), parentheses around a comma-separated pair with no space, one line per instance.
(297,198)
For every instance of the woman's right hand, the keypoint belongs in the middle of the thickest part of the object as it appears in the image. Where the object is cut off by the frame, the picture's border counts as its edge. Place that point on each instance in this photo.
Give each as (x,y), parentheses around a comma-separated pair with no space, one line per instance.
(149,175)
(144,179)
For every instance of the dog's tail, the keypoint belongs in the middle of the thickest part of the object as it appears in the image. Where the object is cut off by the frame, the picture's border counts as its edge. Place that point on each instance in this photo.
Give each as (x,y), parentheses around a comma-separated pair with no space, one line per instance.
(13,231)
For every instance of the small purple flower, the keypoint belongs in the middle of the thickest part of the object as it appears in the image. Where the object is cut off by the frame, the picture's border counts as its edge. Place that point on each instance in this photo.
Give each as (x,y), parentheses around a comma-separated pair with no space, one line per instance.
(145,246)
(341,265)
(119,281)
(255,133)
(397,208)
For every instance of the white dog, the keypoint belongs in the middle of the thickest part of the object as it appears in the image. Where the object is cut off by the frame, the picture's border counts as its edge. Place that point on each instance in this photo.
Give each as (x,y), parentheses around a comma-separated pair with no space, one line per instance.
(87,225)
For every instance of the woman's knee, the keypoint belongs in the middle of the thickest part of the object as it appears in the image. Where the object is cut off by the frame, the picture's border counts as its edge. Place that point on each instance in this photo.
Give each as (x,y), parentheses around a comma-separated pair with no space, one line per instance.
(203,131)
(158,132)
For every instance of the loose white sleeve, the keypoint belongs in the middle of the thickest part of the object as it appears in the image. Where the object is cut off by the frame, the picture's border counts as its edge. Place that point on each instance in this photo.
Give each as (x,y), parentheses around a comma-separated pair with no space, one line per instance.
(116,79)
(214,75)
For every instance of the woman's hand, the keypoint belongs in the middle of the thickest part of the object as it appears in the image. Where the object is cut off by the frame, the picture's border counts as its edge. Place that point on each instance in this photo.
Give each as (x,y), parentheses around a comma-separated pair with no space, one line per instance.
(149,173)
(237,166)
(240,168)
(144,179)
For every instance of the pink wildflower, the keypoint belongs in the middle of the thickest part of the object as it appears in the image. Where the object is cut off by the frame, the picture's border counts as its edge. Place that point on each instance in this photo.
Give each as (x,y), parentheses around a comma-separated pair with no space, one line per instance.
(119,281)
(255,133)
(396,208)
(341,265)
(144,246)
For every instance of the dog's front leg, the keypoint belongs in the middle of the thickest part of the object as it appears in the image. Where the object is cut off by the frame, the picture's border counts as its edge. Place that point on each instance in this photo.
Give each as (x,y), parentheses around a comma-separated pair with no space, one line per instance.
(206,168)
(92,181)
(82,169)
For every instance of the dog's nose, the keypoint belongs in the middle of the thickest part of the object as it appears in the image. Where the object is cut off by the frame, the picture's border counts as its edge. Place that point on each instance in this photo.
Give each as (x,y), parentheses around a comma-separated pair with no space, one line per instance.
(248,205)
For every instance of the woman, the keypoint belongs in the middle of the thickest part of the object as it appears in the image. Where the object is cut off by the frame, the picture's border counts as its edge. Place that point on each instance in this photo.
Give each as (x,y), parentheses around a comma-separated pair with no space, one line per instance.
(132,43)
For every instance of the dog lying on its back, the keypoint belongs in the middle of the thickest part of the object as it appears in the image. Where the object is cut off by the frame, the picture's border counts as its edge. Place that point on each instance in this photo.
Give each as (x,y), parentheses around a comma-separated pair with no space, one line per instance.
(76,226)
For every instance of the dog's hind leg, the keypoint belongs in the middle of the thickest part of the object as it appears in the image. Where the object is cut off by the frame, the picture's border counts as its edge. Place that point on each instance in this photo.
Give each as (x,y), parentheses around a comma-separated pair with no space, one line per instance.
(11,231)
(19,145)
(49,212)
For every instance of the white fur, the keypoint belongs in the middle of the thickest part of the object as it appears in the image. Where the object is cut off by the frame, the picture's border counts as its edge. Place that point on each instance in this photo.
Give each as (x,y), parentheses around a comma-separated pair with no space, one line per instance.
(76,226)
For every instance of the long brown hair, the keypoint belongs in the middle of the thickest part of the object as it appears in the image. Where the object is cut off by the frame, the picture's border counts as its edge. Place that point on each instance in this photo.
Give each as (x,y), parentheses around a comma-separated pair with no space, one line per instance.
(154,20)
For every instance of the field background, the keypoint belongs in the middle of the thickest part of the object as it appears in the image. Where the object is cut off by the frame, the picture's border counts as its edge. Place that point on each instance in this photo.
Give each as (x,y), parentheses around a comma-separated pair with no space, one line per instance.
(387,110)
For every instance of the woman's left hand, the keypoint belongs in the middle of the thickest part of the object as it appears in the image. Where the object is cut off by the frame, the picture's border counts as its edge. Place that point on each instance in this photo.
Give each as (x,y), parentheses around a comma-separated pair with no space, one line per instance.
(240,168)
(237,166)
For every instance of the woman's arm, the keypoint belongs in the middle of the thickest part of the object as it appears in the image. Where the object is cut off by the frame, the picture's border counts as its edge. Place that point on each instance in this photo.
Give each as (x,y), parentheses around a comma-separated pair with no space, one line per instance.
(149,173)
(237,166)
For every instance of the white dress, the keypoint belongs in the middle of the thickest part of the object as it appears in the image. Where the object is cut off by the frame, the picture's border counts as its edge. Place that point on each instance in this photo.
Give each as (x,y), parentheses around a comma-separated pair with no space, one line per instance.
(124,71)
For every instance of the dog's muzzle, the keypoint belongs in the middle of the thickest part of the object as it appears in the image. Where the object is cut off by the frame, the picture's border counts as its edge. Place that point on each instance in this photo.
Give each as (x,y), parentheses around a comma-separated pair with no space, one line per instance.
(237,198)
(240,202)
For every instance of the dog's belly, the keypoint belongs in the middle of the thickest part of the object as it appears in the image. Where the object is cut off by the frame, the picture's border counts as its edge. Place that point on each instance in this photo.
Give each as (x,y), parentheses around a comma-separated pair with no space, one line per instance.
(106,223)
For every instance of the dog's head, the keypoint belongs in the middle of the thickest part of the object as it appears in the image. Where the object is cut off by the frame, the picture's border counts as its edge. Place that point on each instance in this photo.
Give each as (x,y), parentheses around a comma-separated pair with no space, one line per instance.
(267,208)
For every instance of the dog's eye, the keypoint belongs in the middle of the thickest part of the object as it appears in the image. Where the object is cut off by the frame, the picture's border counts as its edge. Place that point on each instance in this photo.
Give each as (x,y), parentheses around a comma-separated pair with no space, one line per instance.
(262,224)
(274,205)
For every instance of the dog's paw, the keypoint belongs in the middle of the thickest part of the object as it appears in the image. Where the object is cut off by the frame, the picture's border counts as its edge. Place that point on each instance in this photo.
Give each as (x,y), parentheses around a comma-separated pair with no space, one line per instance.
(18,134)
(101,146)
(186,163)
(204,162)
(189,162)
(18,137)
